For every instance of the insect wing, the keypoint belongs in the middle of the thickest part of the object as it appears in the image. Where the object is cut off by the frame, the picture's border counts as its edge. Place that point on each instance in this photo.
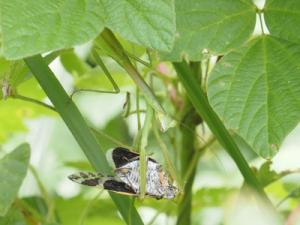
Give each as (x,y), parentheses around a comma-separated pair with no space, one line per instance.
(89,179)
(98,180)
(122,156)
(118,187)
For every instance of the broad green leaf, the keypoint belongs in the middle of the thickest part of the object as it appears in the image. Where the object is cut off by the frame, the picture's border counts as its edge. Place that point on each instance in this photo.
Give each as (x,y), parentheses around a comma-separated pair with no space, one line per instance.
(149,23)
(283,18)
(47,25)
(35,26)
(256,89)
(211,27)
(13,169)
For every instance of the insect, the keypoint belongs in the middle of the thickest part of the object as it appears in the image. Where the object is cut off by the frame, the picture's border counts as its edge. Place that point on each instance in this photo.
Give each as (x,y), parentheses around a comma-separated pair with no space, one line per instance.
(127,178)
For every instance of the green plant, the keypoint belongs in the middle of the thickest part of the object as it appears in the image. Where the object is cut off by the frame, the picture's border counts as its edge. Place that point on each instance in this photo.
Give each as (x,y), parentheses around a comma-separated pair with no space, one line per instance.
(194,63)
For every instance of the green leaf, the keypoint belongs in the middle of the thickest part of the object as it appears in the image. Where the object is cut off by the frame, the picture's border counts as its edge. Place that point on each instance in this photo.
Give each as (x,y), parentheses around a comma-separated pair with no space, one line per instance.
(36,26)
(43,26)
(282,17)
(149,23)
(13,169)
(256,90)
(211,27)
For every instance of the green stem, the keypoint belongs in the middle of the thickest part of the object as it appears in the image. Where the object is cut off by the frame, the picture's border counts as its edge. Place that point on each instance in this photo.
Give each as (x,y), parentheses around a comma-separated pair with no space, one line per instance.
(107,74)
(32,100)
(187,153)
(164,149)
(261,22)
(204,83)
(143,157)
(127,105)
(137,103)
(200,102)
(78,127)
(138,59)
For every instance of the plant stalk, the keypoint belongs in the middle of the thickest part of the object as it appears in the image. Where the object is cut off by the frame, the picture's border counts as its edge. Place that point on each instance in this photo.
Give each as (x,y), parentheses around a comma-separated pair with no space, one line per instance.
(187,153)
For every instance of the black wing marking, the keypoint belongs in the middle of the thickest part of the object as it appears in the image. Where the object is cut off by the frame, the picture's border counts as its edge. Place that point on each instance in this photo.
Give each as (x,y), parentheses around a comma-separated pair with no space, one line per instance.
(89,179)
(98,180)
(119,187)
(122,156)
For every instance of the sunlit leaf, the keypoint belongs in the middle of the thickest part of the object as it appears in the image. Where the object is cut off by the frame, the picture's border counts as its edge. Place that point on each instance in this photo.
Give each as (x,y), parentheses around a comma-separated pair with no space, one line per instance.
(211,27)
(35,26)
(13,168)
(149,23)
(256,90)
(43,26)
(282,17)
